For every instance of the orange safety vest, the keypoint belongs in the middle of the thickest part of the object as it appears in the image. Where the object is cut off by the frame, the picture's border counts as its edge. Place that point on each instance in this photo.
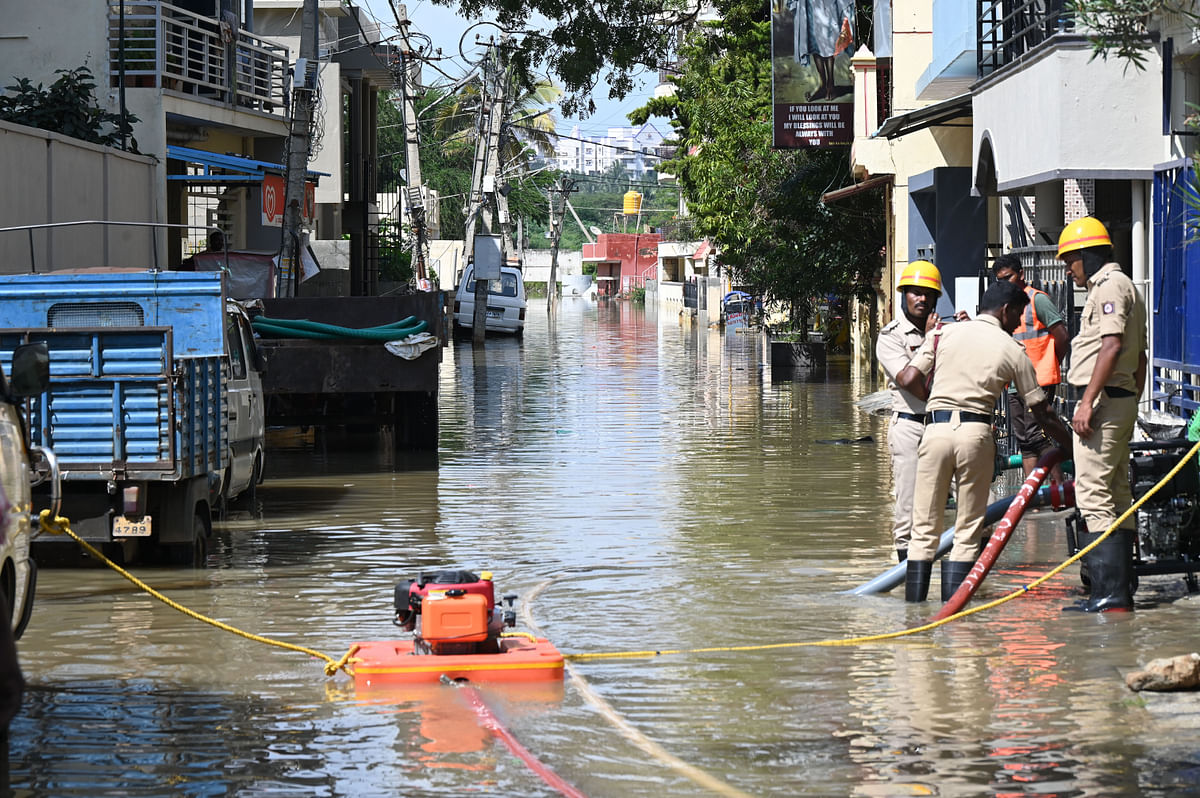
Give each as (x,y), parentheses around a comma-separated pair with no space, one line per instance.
(1038,342)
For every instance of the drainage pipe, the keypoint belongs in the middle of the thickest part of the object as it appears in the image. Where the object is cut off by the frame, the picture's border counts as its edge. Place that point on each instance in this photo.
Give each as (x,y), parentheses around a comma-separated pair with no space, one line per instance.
(1057,496)
(1002,532)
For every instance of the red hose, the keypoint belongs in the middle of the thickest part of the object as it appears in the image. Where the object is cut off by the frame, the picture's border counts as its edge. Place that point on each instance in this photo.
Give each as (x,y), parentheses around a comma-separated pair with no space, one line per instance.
(1064,497)
(490,722)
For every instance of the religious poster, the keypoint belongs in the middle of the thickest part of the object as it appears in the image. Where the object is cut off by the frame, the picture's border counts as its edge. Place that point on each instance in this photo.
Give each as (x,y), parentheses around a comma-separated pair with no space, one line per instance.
(812,42)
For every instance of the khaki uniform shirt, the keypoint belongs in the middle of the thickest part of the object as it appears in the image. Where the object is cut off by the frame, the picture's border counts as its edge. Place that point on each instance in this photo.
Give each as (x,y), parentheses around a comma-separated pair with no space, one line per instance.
(898,342)
(974,361)
(1113,307)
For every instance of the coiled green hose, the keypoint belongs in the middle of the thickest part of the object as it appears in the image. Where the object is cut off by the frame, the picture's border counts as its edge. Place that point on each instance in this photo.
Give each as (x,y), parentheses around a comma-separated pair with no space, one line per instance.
(303,328)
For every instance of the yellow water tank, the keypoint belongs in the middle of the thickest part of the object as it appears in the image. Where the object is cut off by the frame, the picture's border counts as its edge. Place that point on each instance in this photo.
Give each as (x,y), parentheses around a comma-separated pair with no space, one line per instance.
(632,203)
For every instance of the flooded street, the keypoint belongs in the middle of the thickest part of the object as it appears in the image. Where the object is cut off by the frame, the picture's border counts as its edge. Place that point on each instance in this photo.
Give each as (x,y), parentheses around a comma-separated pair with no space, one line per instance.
(658,488)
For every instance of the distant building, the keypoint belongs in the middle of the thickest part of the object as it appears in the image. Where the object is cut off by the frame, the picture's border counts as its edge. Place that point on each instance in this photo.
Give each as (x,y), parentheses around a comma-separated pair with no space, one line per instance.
(636,149)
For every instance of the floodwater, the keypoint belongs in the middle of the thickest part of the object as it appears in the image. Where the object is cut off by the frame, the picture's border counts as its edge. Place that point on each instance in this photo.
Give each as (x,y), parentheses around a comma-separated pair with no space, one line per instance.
(652,485)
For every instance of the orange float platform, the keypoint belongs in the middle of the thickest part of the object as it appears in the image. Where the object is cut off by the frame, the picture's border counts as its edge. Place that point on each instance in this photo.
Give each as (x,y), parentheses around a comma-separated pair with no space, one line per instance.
(393,662)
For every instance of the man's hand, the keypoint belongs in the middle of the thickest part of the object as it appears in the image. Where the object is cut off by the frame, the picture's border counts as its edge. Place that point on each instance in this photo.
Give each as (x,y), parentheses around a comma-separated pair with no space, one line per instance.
(932,322)
(962,315)
(1053,426)
(1081,422)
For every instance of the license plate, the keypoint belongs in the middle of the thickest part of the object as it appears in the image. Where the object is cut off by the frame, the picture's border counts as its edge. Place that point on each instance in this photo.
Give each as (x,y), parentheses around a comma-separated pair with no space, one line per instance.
(124,528)
(495,314)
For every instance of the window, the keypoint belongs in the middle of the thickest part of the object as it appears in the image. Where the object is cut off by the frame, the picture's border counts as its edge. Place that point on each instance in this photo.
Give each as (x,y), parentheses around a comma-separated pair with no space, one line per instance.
(237,355)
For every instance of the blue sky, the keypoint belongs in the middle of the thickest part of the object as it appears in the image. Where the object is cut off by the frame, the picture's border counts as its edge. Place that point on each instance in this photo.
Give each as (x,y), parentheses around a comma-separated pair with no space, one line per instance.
(445,27)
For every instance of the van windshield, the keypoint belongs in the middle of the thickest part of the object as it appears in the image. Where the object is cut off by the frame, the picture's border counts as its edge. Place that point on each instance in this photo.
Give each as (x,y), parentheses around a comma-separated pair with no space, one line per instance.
(505,286)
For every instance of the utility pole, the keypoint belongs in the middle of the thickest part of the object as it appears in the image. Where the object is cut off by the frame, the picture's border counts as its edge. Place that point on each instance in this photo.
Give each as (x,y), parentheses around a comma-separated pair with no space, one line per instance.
(565,186)
(304,94)
(483,179)
(412,153)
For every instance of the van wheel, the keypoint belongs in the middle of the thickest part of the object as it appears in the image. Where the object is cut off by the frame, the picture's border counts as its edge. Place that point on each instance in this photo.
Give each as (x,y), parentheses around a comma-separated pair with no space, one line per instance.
(27,609)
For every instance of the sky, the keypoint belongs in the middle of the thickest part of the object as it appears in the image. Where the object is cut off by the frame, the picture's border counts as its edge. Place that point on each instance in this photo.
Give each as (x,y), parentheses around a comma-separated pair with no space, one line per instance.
(445,28)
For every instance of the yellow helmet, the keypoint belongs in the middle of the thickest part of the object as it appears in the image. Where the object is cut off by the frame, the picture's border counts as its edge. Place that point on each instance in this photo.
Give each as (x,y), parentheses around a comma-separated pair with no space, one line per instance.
(921,273)
(1081,234)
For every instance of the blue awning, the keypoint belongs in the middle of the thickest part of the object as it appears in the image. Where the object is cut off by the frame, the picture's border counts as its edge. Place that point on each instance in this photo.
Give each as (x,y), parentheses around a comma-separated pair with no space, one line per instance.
(229,168)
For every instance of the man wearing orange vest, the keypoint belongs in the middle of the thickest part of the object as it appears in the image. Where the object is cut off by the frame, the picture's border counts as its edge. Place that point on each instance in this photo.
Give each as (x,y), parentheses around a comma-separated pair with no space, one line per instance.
(1044,336)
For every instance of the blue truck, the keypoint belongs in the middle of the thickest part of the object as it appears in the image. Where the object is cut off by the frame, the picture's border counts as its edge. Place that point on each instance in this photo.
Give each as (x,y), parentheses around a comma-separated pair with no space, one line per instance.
(138,408)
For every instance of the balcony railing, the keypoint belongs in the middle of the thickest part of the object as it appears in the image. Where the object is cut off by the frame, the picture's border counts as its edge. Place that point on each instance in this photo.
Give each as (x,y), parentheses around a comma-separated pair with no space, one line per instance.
(168,47)
(1007,29)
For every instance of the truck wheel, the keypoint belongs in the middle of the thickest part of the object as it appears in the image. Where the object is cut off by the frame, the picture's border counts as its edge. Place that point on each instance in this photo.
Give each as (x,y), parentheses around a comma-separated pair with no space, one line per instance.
(195,553)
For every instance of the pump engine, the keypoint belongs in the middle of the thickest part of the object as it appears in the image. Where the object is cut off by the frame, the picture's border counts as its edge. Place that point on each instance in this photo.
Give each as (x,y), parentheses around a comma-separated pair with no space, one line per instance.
(453,612)
(1169,523)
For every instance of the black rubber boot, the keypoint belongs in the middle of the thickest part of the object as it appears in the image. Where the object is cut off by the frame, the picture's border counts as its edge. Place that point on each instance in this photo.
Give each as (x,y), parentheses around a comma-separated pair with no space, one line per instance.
(901,555)
(916,580)
(953,574)
(1110,570)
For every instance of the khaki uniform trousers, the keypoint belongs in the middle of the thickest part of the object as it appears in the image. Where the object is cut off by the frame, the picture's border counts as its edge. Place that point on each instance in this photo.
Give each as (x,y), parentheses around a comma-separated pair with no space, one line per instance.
(1102,463)
(904,438)
(952,450)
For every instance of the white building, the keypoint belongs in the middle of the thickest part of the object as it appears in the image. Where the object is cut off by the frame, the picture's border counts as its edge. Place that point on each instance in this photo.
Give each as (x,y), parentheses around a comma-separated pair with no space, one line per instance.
(636,149)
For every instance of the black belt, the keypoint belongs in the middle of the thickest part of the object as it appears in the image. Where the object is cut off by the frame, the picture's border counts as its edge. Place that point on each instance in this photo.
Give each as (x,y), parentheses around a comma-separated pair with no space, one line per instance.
(946,416)
(1118,393)
(917,417)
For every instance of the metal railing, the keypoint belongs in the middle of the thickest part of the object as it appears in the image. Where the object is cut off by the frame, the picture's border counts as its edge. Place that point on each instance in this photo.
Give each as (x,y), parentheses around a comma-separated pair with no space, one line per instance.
(1007,29)
(168,47)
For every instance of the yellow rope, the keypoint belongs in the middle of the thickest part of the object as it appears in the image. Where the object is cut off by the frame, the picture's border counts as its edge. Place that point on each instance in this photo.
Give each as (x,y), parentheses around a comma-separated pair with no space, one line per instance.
(854,641)
(60,525)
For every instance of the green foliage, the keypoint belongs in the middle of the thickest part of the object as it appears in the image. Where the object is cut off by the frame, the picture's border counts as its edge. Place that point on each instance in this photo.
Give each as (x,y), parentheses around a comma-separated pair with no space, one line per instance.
(68,107)
(1120,27)
(599,201)
(395,258)
(762,207)
(578,42)
(637,295)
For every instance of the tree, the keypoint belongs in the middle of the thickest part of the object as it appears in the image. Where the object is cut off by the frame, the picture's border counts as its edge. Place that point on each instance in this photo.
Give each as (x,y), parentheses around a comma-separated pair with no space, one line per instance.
(618,38)
(448,129)
(1120,27)
(762,207)
(68,107)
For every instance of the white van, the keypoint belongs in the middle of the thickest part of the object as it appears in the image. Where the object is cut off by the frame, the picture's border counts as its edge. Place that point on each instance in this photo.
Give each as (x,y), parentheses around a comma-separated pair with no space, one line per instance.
(244,394)
(505,304)
(30,373)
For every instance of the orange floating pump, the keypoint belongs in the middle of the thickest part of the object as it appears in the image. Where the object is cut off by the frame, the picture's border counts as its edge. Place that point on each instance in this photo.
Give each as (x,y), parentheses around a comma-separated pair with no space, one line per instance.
(458,632)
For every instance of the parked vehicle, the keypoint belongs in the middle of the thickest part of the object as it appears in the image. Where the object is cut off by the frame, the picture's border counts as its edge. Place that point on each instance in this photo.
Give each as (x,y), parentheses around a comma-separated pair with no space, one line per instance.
(505,304)
(737,309)
(28,367)
(154,403)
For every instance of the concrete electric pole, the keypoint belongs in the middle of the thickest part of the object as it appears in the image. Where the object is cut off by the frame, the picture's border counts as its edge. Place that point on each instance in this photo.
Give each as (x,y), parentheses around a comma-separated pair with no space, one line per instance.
(416,192)
(483,181)
(565,186)
(304,93)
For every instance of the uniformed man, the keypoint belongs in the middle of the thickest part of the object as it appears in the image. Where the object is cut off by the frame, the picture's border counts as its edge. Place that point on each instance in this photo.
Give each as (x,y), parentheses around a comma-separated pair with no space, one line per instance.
(920,286)
(970,363)
(1108,362)
(1043,333)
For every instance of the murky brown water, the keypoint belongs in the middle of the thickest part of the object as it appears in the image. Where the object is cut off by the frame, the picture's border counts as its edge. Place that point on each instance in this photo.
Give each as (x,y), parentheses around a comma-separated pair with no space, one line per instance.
(677,497)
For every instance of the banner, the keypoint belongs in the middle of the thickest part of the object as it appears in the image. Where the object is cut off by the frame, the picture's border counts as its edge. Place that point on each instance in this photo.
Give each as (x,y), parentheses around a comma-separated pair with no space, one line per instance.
(273,189)
(812,80)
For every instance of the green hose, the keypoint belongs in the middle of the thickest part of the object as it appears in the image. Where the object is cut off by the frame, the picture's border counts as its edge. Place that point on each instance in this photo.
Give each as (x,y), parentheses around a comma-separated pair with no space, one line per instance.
(303,328)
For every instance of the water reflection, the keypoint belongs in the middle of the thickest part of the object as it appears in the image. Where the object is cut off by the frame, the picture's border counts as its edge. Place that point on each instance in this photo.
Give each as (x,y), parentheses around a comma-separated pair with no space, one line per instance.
(679,494)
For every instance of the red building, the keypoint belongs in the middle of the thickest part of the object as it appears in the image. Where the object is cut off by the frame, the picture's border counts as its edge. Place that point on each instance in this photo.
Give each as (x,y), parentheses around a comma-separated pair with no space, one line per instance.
(624,261)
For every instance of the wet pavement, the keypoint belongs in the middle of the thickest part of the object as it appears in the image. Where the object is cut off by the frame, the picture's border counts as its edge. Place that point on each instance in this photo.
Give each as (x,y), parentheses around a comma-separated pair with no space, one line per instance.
(657,487)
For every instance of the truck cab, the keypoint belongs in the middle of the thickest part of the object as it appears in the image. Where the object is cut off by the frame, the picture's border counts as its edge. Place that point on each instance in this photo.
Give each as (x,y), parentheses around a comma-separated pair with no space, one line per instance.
(18,574)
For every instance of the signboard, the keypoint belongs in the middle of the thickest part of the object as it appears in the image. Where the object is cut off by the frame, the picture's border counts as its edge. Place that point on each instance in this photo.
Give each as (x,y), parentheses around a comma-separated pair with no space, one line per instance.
(812,80)
(487,257)
(273,191)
